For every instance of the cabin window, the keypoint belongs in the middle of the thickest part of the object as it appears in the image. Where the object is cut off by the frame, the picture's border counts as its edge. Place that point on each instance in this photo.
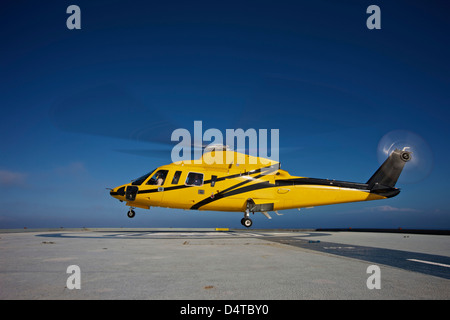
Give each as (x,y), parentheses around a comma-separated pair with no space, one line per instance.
(194,179)
(176,177)
(158,178)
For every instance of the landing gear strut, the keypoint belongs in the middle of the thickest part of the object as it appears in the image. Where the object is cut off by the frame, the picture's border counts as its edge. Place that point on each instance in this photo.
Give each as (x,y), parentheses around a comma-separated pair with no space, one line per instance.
(246,221)
(131,213)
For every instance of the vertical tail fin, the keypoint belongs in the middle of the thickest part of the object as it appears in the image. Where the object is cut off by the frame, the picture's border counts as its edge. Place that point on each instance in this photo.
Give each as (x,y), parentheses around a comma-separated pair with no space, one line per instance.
(388,173)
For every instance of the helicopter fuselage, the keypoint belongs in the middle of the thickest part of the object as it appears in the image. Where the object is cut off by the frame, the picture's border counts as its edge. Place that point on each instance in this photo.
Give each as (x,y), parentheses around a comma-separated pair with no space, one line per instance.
(249,185)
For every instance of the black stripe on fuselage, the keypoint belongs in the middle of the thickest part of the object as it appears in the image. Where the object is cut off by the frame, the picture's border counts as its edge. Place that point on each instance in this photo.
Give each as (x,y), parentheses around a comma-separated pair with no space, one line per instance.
(384,191)
(389,192)
(232,190)
(248,173)
(218,196)
(322,182)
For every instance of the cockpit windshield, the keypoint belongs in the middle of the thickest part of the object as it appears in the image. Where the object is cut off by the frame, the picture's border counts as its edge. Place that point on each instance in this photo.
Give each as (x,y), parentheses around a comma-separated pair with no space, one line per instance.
(140,180)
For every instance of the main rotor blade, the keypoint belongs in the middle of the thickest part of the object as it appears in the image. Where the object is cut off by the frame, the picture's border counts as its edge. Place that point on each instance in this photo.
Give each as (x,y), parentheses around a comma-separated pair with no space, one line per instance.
(113,112)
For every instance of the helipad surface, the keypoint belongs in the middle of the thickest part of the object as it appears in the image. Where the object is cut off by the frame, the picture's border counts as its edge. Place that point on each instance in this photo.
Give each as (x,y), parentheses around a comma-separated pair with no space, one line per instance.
(227,265)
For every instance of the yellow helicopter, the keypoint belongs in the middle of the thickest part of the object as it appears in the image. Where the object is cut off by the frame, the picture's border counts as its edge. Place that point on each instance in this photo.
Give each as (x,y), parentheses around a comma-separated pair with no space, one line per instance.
(225,180)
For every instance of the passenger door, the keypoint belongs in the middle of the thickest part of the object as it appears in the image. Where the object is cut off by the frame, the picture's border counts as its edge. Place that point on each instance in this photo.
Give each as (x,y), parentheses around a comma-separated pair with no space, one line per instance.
(153,190)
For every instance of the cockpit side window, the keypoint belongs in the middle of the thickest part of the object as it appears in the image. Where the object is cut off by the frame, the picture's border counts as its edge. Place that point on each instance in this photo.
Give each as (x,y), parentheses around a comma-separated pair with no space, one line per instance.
(194,179)
(158,178)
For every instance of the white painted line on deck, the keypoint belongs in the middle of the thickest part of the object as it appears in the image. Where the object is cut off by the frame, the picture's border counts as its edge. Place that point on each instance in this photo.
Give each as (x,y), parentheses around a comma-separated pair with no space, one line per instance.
(430,262)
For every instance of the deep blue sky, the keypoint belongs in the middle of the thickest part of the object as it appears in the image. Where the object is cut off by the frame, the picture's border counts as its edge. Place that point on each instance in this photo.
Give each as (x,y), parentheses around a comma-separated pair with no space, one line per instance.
(74,100)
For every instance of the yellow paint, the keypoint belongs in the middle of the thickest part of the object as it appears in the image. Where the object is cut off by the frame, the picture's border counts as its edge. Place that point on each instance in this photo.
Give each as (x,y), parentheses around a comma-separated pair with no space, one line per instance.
(239,178)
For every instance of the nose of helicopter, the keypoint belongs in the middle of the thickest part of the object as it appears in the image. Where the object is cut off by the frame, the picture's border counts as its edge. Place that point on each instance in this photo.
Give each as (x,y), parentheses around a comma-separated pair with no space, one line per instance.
(117,192)
(113,193)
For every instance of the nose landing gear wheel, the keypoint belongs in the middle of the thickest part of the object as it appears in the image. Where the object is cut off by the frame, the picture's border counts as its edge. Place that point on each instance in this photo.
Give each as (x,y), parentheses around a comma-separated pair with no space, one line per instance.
(246,222)
(130,213)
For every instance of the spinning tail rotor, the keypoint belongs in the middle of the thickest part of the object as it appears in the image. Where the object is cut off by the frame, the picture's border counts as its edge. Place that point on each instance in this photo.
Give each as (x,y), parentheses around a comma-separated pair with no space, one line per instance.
(412,149)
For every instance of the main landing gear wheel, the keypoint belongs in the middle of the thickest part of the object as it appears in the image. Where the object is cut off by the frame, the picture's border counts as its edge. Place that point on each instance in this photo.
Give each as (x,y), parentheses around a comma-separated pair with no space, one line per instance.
(246,222)
(131,213)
